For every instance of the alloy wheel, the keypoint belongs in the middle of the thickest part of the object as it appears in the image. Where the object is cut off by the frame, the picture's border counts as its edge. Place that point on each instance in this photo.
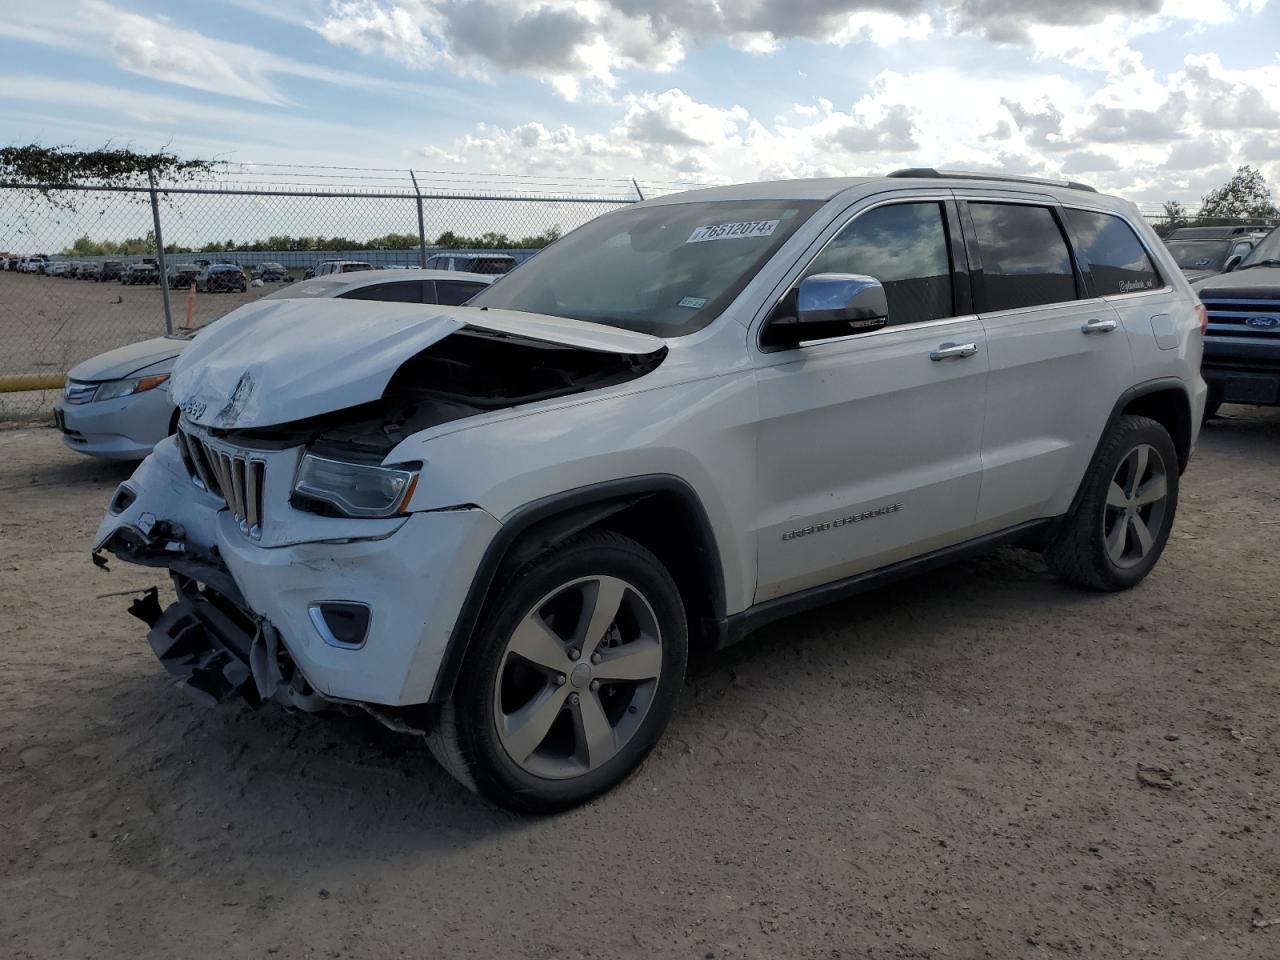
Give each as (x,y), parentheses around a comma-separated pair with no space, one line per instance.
(1136,506)
(577,677)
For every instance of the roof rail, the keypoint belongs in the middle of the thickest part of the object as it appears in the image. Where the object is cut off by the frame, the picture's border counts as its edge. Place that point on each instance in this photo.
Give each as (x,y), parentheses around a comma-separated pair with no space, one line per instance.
(928,173)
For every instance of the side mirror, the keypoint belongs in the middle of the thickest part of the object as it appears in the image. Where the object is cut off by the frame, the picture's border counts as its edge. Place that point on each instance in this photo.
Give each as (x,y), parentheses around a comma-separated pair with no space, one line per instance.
(1233,261)
(828,305)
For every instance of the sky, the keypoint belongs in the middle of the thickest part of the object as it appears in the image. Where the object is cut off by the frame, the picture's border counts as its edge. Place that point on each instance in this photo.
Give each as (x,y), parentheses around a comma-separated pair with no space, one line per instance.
(1150,99)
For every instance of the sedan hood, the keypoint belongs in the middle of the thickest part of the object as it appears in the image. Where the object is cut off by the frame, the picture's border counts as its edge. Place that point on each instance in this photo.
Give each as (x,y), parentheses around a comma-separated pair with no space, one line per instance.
(122,361)
(279,361)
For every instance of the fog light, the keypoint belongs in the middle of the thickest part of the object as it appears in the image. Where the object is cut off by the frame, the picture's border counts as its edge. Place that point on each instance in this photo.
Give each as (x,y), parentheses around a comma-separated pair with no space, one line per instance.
(122,500)
(341,623)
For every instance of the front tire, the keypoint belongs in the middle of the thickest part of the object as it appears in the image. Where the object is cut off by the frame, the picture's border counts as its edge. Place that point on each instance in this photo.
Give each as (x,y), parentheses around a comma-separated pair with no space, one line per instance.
(570,679)
(1120,524)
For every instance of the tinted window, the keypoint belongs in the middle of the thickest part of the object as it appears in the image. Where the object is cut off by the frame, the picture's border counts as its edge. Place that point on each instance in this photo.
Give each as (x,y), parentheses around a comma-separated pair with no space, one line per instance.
(453,292)
(405,291)
(487,265)
(1117,261)
(904,247)
(1199,254)
(1025,261)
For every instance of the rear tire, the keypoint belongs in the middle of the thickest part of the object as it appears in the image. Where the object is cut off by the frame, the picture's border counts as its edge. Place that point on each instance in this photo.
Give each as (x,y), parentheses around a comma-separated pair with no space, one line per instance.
(1121,521)
(570,679)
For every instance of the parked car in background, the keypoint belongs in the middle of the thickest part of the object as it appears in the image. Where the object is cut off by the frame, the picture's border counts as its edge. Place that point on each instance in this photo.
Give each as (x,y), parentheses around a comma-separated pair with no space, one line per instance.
(140,273)
(117,406)
(1242,342)
(73,269)
(505,525)
(181,275)
(272,273)
(91,271)
(110,270)
(35,264)
(56,269)
(326,267)
(222,278)
(1203,251)
(472,262)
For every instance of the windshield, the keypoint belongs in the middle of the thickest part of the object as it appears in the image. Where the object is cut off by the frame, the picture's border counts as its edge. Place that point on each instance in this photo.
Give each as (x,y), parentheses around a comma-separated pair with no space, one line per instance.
(1267,250)
(666,270)
(1200,254)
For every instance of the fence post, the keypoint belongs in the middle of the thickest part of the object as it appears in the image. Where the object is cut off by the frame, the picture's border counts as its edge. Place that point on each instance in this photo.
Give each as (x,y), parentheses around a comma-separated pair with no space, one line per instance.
(422,230)
(160,265)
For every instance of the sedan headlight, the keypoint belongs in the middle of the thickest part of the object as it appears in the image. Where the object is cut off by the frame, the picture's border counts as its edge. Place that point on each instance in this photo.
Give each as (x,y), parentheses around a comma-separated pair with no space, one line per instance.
(355,489)
(112,389)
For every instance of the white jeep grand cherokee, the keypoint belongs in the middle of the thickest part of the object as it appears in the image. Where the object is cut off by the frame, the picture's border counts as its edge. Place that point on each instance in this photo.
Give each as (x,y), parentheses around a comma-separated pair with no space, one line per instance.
(506,524)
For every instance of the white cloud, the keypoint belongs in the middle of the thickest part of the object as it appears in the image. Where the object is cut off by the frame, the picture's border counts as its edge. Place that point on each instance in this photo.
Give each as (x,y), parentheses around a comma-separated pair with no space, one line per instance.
(167,51)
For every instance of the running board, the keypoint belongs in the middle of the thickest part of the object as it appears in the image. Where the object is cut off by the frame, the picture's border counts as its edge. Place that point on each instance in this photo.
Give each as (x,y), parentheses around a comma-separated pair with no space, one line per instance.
(734,628)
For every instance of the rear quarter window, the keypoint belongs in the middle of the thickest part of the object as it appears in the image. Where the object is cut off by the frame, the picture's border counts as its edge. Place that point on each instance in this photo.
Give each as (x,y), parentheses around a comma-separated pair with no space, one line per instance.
(1118,262)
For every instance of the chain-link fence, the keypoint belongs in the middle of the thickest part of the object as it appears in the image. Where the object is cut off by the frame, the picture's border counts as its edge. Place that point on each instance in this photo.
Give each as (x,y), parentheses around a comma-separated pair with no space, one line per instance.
(81,271)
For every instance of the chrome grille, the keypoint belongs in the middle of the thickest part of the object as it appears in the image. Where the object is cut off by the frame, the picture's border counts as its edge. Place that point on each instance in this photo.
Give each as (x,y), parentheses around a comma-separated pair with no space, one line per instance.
(236,477)
(77,392)
(1243,318)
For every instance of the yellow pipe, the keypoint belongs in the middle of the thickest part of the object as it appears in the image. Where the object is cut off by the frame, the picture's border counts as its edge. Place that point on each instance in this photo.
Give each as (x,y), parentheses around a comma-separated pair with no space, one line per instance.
(32,381)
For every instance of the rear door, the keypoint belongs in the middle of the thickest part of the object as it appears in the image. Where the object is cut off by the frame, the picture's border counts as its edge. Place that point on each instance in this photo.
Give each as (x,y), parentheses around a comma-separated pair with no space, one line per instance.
(1058,358)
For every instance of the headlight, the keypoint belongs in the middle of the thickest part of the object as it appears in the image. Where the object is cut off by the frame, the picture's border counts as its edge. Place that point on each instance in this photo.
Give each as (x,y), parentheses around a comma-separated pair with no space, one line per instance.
(355,489)
(123,388)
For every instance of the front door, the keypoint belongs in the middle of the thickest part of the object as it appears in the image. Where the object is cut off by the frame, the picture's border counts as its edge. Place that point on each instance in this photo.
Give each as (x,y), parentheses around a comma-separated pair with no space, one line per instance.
(869,445)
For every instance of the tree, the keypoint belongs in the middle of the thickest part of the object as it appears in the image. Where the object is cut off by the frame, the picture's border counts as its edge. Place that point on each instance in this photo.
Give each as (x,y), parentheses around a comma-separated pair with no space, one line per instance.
(1245,196)
(1174,215)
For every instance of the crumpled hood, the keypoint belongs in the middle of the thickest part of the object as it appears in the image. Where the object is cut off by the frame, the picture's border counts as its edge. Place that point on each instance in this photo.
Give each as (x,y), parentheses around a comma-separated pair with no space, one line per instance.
(278,361)
(1251,283)
(122,361)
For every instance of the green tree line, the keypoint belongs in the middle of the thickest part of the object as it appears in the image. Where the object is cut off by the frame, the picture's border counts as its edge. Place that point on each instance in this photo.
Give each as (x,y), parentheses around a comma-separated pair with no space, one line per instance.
(85,246)
(1245,196)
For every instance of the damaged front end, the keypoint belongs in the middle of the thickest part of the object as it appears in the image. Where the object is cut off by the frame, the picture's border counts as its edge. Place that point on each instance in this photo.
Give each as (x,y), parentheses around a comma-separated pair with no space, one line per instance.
(276,512)
(209,640)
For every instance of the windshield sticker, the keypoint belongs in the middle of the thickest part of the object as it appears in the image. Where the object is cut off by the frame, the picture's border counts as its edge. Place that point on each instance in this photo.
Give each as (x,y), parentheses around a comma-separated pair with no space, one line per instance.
(694,303)
(733,231)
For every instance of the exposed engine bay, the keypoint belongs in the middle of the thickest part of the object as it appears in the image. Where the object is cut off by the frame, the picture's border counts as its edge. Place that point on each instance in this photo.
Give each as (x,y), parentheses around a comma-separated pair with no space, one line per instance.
(467,373)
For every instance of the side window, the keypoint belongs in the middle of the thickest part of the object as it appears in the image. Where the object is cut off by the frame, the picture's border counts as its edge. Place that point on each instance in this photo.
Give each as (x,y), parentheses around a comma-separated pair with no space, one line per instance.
(1118,262)
(904,246)
(1025,260)
(404,291)
(454,292)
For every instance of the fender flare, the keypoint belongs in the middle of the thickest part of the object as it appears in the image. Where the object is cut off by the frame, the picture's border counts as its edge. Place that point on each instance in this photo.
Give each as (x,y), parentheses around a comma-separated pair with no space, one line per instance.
(529,529)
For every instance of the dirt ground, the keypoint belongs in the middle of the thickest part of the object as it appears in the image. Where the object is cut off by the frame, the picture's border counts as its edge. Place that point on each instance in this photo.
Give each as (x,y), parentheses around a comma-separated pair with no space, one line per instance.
(49,324)
(947,768)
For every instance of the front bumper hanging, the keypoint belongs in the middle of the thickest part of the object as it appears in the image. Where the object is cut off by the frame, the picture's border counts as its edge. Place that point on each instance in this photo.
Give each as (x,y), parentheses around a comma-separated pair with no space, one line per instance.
(208,639)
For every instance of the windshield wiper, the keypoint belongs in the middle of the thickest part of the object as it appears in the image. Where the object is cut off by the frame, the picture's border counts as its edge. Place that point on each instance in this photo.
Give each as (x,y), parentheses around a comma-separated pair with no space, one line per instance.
(1260,263)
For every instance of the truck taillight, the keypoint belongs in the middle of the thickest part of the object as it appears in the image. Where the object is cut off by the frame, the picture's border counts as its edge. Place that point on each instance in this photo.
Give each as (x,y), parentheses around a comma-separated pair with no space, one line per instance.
(1203,313)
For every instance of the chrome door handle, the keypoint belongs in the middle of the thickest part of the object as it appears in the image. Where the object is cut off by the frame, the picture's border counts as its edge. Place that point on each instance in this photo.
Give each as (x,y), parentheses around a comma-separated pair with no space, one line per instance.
(953,351)
(1099,326)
